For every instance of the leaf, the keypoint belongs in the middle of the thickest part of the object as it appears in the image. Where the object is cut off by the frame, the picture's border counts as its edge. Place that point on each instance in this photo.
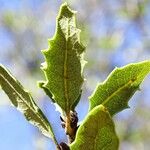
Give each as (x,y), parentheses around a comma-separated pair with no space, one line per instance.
(48,93)
(23,101)
(64,61)
(115,92)
(97,132)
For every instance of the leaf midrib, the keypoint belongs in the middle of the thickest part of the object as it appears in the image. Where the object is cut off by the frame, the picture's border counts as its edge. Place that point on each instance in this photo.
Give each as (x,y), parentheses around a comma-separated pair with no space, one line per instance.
(66,69)
(118,90)
(42,121)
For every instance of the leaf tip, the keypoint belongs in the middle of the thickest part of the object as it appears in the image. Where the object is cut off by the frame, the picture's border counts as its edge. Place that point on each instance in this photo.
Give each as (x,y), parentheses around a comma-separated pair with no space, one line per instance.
(66,11)
(40,84)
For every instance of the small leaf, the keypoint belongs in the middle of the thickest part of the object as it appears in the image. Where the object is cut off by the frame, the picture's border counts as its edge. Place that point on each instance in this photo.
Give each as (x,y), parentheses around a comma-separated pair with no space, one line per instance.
(64,62)
(48,93)
(97,132)
(115,92)
(23,101)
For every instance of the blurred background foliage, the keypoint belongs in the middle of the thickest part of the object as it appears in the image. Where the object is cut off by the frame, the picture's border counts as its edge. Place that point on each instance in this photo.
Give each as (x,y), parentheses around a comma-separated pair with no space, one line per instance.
(115,33)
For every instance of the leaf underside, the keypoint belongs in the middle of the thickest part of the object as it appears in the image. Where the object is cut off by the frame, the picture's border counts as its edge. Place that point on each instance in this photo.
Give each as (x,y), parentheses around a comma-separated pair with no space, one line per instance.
(97,132)
(115,92)
(23,101)
(64,62)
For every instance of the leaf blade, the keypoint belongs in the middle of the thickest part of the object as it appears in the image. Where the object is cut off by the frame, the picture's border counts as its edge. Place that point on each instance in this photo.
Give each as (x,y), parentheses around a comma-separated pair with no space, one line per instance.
(97,132)
(64,61)
(23,101)
(118,88)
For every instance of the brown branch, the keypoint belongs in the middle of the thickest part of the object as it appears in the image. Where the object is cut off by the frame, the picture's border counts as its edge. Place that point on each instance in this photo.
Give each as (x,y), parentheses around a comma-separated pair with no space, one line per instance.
(70,125)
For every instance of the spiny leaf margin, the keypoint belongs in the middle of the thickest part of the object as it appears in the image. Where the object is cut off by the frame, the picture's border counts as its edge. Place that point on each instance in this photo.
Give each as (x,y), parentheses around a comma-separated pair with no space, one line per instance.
(64,63)
(115,92)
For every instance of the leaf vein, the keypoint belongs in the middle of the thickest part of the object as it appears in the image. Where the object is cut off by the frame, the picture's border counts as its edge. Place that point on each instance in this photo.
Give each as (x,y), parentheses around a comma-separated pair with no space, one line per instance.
(65,68)
(117,91)
(29,107)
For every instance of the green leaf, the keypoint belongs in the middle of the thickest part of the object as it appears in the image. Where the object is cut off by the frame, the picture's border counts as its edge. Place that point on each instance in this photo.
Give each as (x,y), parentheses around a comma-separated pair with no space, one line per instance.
(23,101)
(64,61)
(121,84)
(48,93)
(97,132)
